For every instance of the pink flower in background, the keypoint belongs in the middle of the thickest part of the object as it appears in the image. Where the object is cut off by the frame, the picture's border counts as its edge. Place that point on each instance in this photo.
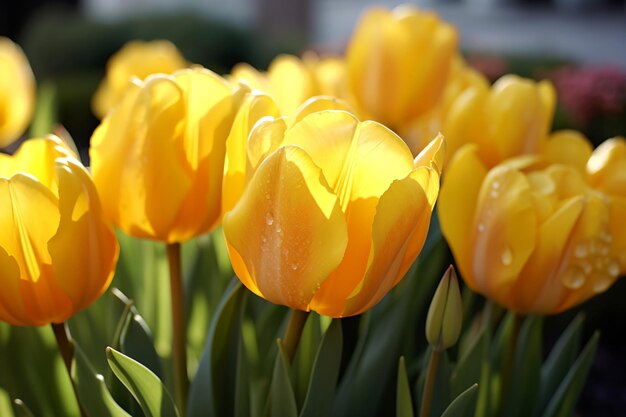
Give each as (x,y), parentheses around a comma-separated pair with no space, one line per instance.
(586,93)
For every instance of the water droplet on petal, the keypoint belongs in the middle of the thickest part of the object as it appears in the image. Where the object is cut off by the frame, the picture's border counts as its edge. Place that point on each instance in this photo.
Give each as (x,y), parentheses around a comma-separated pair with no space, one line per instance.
(269,219)
(294,267)
(573,278)
(481,227)
(493,194)
(506,257)
(613,269)
(581,250)
(602,283)
(587,268)
(495,185)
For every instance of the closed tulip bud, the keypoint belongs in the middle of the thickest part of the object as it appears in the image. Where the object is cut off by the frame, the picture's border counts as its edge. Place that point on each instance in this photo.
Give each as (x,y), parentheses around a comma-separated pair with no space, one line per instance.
(334,213)
(511,118)
(136,59)
(17,92)
(532,233)
(57,253)
(158,158)
(445,314)
(398,63)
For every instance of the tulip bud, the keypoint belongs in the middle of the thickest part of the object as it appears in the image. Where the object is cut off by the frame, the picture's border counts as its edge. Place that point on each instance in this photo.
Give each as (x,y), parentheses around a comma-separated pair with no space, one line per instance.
(445,314)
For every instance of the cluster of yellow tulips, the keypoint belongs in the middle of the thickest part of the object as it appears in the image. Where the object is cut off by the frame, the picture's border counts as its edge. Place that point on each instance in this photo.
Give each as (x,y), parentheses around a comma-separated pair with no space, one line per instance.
(323,173)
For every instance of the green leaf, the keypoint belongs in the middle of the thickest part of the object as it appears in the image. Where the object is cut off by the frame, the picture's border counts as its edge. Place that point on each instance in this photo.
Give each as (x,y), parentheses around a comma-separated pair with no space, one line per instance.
(524,380)
(213,390)
(381,341)
(31,369)
(282,398)
(468,369)
(565,398)
(5,404)
(92,391)
(560,361)
(143,384)
(242,387)
(305,355)
(463,404)
(323,382)
(404,403)
(22,409)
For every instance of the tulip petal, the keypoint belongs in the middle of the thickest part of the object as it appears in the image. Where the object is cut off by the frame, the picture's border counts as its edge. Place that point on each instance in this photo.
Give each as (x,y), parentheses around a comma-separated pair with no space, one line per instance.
(84,250)
(506,229)
(617,229)
(539,285)
(255,107)
(607,167)
(321,103)
(401,223)
(24,238)
(433,154)
(287,233)
(11,305)
(570,148)
(457,206)
(291,83)
(266,136)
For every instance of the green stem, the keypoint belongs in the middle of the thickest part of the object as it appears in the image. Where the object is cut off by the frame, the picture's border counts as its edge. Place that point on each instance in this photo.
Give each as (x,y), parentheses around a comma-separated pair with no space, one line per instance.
(509,359)
(429,383)
(294,331)
(179,328)
(66,349)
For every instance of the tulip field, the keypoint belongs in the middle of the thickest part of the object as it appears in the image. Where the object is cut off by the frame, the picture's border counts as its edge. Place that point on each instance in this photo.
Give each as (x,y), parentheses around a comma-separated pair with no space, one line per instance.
(375,233)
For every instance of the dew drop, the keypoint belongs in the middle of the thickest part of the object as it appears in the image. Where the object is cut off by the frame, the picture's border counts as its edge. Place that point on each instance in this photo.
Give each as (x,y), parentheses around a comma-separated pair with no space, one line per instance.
(278,228)
(602,283)
(481,227)
(573,278)
(294,267)
(613,269)
(587,268)
(269,219)
(493,193)
(581,250)
(100,377)
(506,257)
(263,239)
(606,237)
(495,185)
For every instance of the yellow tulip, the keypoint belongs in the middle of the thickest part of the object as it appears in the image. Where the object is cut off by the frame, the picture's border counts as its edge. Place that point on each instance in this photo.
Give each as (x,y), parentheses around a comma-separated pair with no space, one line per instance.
(57,254)
(158,158)
(511,118)
(135,59)
(398,63)
(334,213)
(291,81)
(17,92)
(532,233)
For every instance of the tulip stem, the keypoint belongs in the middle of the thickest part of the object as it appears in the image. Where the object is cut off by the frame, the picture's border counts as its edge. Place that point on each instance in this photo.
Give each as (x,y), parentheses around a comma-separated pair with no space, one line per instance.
(66,349)
(294,331)
(509,358)
(179,328)
(429,382)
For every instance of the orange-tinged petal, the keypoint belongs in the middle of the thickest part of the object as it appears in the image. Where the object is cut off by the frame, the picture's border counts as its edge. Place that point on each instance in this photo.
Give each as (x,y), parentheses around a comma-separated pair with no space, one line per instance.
(11,305)
(84,250)
(617,230)
(457,206)
(401,223)
(287,228)
(506,227)
(540,288)
(24,238)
